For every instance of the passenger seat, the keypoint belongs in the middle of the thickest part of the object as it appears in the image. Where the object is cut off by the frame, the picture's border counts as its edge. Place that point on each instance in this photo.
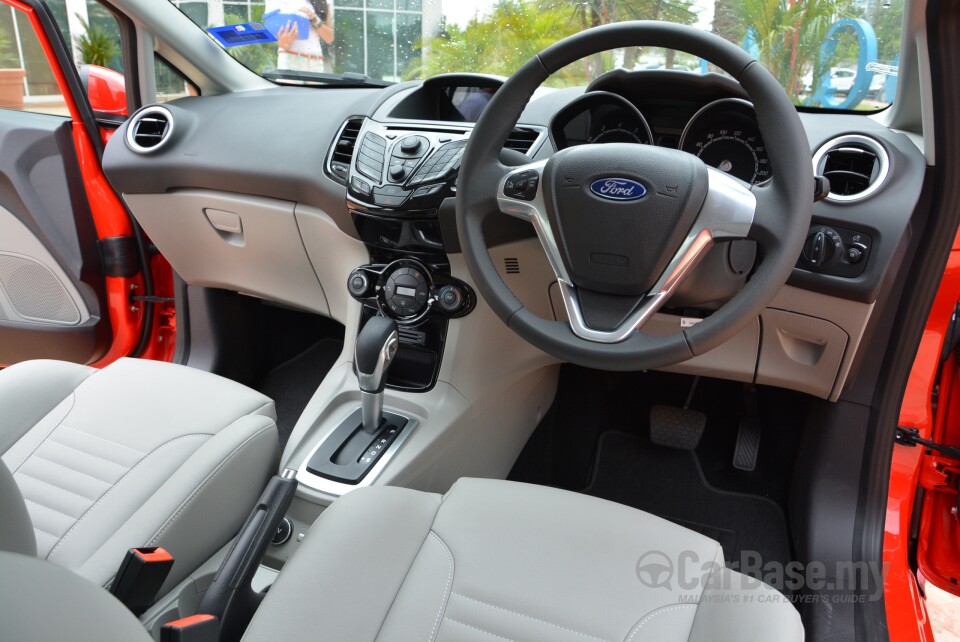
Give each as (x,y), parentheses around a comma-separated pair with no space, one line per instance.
(140,453)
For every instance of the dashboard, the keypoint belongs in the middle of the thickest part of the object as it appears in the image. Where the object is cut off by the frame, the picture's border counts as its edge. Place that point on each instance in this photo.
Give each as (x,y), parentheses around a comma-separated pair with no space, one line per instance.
(381,166)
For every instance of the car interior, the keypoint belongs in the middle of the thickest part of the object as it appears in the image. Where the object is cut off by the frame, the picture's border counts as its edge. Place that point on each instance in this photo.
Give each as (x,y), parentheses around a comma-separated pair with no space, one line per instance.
(449,376)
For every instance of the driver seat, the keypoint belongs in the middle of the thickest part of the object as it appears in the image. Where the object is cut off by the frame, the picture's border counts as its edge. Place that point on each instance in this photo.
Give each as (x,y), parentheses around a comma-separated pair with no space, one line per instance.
(495,560)
(489,561)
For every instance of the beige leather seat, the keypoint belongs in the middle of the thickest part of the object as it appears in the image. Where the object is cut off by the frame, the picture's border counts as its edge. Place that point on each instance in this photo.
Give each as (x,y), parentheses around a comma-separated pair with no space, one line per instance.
(489,561)
(495,560)
(140,453)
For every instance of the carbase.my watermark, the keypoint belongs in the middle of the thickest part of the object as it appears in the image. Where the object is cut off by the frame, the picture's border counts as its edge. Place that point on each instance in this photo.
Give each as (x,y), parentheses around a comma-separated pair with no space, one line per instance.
(839,582)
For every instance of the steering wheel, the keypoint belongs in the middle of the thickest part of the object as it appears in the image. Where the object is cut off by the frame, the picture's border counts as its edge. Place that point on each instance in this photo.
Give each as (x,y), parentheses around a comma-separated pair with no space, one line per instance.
(623,224)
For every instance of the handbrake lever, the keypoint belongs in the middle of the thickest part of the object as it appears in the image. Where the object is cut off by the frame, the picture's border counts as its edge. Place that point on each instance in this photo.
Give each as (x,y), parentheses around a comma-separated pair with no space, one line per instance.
(231,596)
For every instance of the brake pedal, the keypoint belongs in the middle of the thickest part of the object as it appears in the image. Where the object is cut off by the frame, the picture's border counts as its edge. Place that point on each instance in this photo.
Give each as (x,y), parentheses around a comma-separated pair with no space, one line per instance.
(676,427)
(748,444)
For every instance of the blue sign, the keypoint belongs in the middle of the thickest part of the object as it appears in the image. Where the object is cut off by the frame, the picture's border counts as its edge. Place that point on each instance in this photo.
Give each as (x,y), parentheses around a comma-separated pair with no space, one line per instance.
(248,33)
(618,189)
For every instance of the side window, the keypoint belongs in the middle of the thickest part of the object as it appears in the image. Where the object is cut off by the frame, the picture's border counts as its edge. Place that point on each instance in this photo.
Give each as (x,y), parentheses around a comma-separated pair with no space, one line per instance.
(171,83)
(27,82)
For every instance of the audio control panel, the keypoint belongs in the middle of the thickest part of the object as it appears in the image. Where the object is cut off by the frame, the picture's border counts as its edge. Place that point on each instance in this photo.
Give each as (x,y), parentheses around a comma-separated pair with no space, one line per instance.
(408,291)
(835,251)
(403,170)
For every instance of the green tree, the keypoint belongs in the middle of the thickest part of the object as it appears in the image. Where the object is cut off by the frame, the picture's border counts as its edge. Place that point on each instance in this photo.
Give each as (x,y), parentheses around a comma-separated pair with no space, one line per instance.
(96,45)
(788,35)
(498,44)
(8,54)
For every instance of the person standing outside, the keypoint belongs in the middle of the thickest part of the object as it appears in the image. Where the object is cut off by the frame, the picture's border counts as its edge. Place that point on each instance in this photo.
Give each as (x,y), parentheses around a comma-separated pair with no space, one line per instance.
(303,54)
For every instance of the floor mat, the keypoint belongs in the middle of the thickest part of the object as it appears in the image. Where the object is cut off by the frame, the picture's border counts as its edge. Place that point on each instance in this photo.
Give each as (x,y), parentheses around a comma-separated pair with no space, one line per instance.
(670,484)
(292,383)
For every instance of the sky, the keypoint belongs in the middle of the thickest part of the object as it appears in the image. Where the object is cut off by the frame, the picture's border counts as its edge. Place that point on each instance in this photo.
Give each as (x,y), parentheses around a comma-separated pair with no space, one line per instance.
(460,11)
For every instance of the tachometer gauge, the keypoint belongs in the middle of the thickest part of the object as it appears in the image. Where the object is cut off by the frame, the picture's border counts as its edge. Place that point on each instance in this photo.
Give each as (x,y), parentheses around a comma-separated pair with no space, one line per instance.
(619,133)
(724,134)
(599,117)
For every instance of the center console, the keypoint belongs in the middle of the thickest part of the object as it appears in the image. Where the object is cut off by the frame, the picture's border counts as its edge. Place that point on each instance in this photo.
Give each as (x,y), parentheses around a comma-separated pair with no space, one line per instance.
(399,167)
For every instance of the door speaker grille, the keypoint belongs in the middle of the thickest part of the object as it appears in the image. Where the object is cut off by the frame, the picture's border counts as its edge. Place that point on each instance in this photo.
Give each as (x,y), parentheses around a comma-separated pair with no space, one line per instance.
(34,291)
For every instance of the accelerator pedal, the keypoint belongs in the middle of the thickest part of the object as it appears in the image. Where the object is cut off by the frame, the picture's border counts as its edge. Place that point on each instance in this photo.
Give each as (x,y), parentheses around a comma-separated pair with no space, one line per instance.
(676,427)
(748,444)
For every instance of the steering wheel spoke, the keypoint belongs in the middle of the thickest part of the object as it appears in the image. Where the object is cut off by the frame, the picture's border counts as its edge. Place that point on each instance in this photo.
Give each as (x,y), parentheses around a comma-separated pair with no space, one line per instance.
(520,194)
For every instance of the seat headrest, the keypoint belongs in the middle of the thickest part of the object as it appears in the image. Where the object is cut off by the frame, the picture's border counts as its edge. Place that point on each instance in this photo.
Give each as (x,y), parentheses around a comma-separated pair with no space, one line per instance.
(16,535)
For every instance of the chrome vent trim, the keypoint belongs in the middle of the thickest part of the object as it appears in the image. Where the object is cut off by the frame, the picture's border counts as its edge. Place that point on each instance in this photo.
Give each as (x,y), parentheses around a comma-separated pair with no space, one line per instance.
(149,129)
(341,152)
(854,144)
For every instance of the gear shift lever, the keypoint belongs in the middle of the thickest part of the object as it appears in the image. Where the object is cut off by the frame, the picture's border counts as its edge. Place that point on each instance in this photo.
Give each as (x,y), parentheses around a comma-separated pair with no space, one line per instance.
(376,347)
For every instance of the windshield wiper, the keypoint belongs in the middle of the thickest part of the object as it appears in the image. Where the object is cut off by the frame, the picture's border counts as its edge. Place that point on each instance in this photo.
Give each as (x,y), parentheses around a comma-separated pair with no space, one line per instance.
(347,79)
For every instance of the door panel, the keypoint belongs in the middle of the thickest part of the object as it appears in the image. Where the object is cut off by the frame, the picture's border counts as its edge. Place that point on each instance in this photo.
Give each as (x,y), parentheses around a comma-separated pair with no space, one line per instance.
(51,285)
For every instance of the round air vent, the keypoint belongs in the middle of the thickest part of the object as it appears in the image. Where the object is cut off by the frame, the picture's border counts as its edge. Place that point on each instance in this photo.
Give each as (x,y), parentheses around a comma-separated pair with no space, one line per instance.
(856,166)
(149,129)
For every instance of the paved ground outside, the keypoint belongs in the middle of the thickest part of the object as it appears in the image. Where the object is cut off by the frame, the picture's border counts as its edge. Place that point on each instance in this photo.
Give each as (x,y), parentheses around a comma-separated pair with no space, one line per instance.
(944,610)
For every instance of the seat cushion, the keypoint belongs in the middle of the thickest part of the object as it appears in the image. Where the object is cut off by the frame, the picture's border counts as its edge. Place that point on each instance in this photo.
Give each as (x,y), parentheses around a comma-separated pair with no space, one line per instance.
(43,602)
(141,453)
(496,560)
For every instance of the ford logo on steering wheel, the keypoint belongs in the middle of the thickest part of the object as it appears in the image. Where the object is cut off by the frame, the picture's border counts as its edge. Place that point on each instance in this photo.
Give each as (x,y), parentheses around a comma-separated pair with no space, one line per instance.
(618,189)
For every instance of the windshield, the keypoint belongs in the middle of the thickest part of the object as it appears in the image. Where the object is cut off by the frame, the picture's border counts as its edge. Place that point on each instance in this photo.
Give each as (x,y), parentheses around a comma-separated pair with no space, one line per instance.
(834,54)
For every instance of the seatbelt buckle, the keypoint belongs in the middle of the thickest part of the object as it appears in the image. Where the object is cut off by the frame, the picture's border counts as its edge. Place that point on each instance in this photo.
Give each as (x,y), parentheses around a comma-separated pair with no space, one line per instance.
(140,576)
(196,628)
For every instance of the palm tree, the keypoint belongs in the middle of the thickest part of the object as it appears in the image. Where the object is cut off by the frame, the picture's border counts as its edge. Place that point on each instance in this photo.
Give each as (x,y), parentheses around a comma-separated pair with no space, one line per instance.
(788,35)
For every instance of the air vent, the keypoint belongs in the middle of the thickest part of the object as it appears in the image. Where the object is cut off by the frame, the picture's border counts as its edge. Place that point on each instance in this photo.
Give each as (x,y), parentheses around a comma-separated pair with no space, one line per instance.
(149,129)
(522,139)
(342,153)
(857,166)
(512,266)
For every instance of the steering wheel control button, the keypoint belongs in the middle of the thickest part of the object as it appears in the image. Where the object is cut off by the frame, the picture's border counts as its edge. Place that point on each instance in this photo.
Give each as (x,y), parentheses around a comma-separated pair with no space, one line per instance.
(284,531)
(358,284)
(522,186)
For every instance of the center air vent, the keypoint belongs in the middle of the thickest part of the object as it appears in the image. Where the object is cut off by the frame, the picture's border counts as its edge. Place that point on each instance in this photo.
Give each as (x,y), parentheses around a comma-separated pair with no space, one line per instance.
(338,166)
(856,166)
(522,139)
(149,129)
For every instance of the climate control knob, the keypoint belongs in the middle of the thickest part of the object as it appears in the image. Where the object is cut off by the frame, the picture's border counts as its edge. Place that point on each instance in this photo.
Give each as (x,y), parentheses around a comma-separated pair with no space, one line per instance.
(450,299)
(358,283)
(823,248)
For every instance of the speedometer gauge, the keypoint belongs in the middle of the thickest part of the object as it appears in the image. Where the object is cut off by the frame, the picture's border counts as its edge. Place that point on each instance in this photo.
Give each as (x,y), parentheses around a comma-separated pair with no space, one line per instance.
(725,135)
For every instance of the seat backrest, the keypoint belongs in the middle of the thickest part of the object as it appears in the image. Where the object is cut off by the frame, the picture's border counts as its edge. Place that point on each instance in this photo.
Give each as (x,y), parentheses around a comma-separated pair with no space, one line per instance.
(16,535)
